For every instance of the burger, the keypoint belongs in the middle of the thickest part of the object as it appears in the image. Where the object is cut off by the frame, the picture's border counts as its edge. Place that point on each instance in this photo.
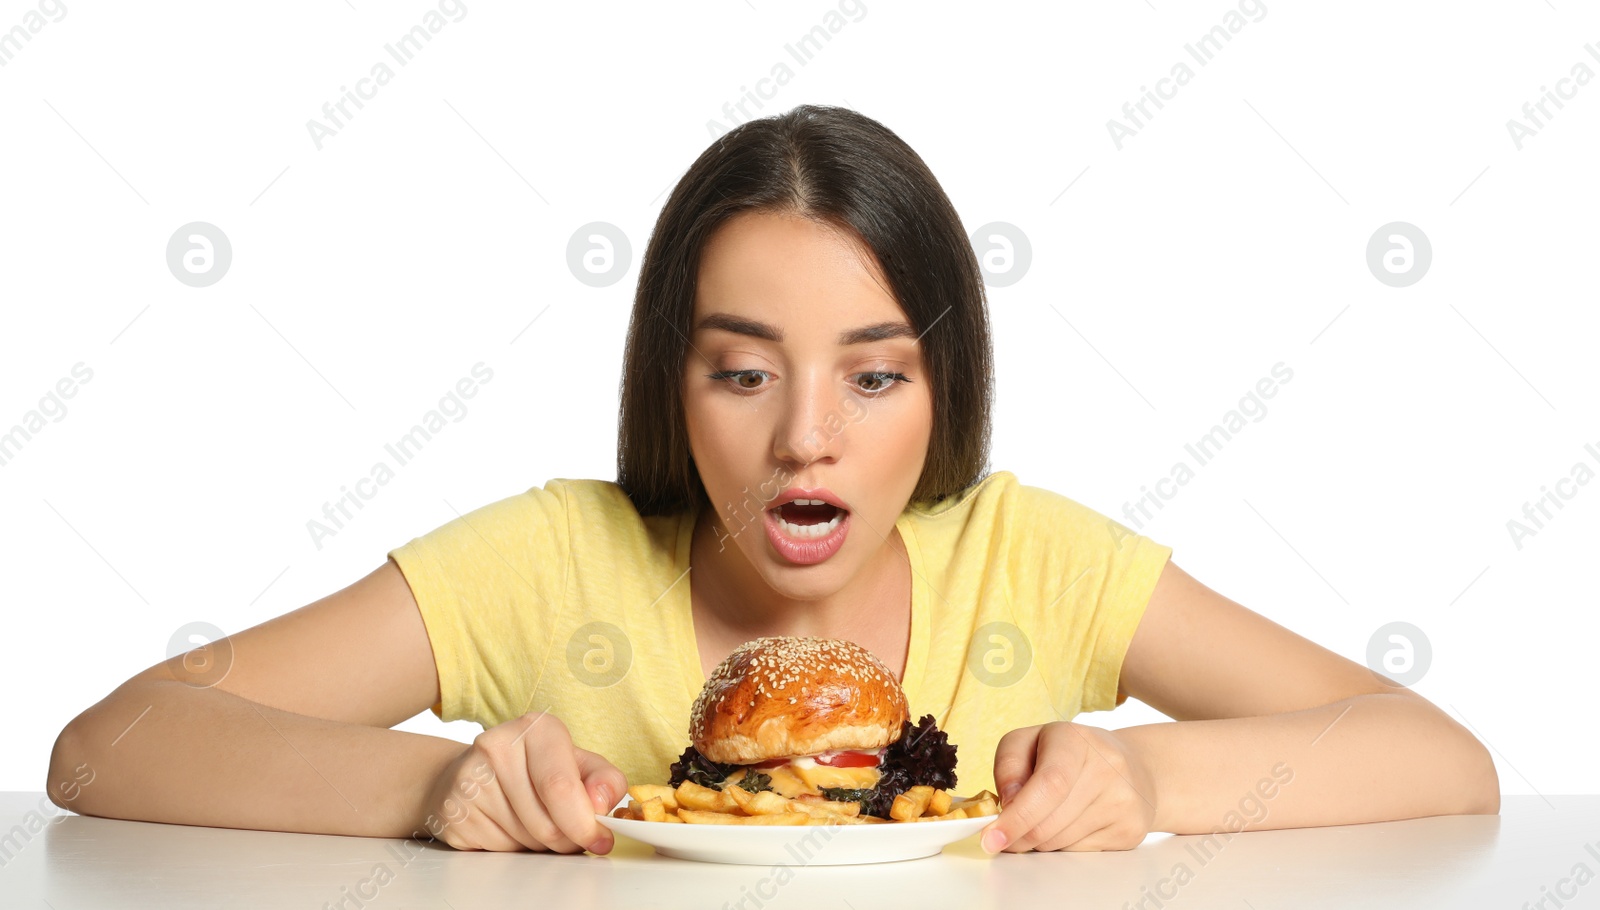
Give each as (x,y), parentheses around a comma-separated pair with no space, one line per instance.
(818,716)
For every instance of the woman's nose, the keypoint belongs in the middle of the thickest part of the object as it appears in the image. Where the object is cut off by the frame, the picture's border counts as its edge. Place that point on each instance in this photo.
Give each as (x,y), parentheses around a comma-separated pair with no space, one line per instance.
(810,426)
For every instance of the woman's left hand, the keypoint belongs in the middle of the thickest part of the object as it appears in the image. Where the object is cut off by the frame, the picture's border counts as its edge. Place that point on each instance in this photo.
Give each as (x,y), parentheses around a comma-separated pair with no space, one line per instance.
(1066,786)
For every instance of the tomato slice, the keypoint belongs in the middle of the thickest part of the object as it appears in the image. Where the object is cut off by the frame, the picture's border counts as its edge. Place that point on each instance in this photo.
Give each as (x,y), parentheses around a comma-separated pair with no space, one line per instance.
(850,760)
(840,760)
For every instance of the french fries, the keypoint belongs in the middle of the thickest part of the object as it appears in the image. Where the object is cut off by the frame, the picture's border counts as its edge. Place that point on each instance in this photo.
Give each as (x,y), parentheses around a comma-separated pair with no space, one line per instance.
(690,803)
(691,795)
(910,805)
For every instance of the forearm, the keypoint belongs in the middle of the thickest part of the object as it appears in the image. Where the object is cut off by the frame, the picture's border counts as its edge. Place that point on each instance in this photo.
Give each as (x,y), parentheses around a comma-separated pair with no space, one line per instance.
(1364,759)
(207,757)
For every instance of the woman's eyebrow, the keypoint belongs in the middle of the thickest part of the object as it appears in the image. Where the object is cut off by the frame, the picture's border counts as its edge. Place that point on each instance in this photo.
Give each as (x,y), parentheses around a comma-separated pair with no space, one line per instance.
(755,328)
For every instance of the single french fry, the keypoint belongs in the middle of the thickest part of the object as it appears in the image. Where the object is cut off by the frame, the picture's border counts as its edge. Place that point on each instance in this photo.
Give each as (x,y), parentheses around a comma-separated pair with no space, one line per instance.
(903,809)
(939,803)
(741,798)
(963,800)
(829,806)
(702,817)
(910,804)
(653,810)
(643,792)
(768,803)
(673,817)
(691,795)
(985,806)
(630,811)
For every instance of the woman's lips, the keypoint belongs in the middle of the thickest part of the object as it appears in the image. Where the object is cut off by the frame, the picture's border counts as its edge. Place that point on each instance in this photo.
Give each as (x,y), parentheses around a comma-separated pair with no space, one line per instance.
(798,546)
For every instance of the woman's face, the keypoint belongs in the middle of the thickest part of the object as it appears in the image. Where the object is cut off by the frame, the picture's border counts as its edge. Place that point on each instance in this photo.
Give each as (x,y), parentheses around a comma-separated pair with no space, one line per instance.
(799,402)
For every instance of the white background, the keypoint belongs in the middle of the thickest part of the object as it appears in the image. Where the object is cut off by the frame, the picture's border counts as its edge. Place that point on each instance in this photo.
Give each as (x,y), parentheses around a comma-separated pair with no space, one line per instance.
(1168,277)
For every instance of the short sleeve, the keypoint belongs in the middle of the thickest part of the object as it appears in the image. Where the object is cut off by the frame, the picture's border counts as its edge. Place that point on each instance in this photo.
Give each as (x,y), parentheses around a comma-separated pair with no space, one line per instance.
(489,585)
(1090,578)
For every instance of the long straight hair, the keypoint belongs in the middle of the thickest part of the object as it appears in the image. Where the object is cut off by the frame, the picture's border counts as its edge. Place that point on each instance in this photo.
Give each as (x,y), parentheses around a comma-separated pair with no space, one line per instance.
(847,171)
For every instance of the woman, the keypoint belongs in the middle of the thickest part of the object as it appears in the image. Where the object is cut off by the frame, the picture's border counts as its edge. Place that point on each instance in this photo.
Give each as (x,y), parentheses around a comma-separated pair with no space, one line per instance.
(803,435)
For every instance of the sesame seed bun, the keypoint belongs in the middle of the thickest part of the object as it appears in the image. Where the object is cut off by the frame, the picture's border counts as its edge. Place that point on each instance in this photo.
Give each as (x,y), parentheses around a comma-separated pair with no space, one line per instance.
(783,696)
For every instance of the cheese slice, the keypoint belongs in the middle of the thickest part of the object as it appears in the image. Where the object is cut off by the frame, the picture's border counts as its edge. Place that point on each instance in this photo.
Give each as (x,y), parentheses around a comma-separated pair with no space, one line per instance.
(803,775)
(788,784)
(820,776)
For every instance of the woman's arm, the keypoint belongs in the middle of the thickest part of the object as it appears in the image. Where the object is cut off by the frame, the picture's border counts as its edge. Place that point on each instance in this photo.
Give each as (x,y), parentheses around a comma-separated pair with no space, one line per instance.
(293,738)
(1255,702)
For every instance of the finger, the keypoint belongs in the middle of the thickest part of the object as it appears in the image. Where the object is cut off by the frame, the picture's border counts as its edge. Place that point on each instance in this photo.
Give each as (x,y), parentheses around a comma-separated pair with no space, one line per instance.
(553,766)
(475,830)
(522,811)
(1013,760)
(1083,802)
(1077,808)
(493,836)
(1072,821)
(520,823)
(526,811)
(1058,761)
(605,785)
(602,780)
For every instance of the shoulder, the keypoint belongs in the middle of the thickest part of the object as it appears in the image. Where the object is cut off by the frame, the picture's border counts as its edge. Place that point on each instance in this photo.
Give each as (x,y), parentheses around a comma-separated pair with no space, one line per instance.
(1001,497)
(561,511)
(1033,535)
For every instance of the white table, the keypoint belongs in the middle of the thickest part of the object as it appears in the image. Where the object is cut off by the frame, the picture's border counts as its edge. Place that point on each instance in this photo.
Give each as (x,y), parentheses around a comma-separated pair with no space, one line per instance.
(1455,861)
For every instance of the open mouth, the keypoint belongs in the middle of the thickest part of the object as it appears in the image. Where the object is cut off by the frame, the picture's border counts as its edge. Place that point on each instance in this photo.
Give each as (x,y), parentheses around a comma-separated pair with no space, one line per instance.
(808,519)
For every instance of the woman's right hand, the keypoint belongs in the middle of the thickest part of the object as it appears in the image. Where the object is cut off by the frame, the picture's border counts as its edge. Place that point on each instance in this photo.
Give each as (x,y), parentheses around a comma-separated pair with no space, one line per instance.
(524,785)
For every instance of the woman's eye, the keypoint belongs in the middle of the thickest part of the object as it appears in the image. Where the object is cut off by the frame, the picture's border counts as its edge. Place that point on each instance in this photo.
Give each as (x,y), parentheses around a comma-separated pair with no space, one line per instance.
(872,383)
(738,378)
(880,381)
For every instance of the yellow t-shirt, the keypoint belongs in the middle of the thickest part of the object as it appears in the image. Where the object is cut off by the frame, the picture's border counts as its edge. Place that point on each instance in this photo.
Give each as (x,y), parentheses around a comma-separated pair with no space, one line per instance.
(564,598)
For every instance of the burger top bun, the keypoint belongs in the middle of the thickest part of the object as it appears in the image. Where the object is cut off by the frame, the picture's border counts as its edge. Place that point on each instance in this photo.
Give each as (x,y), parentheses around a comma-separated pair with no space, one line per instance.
(783,696)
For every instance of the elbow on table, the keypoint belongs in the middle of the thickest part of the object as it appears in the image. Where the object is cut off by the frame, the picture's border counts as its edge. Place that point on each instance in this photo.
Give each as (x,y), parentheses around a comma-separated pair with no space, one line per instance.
(71,771)
(1485,791)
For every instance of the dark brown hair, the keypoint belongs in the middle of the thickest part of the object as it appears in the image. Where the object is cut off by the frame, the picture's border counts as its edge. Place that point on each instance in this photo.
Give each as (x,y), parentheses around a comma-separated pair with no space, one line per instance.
(850,172)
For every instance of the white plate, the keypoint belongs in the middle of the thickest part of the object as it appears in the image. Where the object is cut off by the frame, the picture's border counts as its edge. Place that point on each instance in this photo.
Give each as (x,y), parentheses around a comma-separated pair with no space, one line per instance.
(804,845)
